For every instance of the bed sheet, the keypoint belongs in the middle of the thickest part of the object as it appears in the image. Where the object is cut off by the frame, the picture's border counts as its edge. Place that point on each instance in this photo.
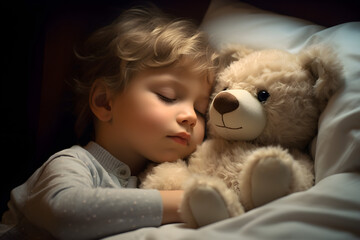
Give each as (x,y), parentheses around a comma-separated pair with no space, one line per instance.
(327,211)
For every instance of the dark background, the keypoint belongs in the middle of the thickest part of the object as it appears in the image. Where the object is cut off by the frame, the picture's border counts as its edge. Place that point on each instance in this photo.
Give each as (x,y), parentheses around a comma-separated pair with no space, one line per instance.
(37,40)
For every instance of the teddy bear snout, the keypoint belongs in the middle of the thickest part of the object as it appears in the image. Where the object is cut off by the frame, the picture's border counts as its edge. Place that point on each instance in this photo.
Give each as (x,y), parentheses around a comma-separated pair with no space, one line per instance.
(225,102)
(237,115)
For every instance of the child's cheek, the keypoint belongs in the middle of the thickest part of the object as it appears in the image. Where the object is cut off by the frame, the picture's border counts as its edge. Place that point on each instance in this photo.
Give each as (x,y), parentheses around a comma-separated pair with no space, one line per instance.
(199,133)
(152,119)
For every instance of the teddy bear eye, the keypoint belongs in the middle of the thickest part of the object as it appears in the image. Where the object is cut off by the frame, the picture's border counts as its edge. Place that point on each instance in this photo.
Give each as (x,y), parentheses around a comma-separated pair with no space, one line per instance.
(263,95)
(225,88)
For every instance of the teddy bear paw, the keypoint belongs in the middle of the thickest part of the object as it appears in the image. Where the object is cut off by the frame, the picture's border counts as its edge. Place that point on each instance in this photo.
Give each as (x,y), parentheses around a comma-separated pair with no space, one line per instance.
(271,179)
(207,206)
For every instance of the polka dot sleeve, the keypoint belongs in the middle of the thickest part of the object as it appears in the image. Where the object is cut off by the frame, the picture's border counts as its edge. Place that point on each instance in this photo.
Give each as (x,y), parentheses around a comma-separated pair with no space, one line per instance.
(74,199)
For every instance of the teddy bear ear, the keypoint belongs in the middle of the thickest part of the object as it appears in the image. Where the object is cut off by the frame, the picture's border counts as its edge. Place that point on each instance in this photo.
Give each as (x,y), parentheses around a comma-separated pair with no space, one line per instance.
(231,53)
(326,70)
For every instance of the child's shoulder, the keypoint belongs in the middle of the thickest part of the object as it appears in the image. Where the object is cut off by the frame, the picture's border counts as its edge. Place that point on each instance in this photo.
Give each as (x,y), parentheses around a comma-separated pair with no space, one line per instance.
(76,151)
(75,155)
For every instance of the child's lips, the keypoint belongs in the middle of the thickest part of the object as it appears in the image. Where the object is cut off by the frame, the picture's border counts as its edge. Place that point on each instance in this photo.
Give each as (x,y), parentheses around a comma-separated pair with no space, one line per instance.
(182,138)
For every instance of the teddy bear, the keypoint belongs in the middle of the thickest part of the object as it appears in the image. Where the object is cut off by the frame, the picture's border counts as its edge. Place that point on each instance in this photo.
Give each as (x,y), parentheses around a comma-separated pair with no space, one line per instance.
(263,117)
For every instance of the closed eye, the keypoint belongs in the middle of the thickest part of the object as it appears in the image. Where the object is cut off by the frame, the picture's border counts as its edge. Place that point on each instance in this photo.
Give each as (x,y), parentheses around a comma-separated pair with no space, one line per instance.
(172,100)
(202,115)
(165,99)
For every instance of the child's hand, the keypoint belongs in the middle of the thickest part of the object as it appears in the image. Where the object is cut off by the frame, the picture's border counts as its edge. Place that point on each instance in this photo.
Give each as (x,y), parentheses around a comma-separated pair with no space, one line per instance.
(171,203)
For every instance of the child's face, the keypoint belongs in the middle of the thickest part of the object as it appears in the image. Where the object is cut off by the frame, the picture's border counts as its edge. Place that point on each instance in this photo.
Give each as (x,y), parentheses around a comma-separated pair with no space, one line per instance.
(160,115)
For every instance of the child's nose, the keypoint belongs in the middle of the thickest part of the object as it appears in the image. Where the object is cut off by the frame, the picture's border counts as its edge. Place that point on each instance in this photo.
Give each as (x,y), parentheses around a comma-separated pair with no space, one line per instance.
(187,116)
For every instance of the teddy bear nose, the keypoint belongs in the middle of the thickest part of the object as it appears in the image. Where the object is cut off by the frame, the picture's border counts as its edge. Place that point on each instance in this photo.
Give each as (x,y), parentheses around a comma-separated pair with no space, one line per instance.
(225,102)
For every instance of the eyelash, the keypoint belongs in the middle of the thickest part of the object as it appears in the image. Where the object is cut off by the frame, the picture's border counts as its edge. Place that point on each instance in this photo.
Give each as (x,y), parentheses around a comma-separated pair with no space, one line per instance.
(166,99)
(202,115)
(171,100)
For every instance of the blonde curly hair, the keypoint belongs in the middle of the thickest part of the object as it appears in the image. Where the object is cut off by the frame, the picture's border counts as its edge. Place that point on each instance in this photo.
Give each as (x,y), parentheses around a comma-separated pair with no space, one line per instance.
(138,39)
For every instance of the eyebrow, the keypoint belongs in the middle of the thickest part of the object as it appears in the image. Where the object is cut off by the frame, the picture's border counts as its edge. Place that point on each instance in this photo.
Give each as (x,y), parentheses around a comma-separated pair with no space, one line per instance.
(203,96)
(167,78)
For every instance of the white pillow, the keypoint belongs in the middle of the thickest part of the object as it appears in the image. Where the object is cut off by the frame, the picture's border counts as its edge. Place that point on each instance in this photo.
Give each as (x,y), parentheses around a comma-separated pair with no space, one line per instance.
(338,143)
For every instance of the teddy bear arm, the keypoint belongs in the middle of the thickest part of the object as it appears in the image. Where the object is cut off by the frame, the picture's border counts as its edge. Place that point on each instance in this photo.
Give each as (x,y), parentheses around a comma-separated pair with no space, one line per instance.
(166,176)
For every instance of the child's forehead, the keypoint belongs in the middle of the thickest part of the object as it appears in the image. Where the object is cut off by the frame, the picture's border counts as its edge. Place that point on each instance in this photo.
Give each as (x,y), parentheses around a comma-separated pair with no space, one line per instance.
(203,72)
(204,77)
(179,76)
(182,71)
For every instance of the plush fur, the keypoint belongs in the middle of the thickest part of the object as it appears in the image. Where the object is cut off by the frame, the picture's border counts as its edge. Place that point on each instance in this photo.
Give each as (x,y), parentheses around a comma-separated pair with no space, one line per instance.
(263,116)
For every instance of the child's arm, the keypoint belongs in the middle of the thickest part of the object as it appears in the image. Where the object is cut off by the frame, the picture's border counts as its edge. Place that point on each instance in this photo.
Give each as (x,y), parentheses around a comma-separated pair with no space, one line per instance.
(68,199)
(171,202)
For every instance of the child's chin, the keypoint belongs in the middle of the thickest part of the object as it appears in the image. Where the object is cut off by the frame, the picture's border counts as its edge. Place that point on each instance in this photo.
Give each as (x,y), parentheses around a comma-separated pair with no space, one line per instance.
(172,158)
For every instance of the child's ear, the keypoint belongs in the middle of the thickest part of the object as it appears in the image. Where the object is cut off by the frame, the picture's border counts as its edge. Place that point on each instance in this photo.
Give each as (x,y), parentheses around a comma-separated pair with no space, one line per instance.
(99,101)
